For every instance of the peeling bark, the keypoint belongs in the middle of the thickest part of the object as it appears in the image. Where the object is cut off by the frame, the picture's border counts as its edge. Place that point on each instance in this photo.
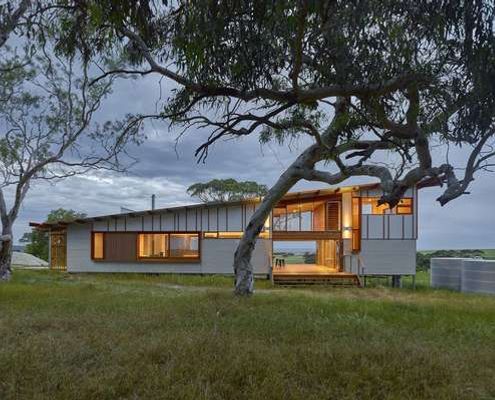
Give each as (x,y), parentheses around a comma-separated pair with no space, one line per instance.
(6,254)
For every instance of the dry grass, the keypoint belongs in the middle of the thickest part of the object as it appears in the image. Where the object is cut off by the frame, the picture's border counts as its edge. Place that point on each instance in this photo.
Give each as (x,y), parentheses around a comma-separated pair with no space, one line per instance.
(137,337)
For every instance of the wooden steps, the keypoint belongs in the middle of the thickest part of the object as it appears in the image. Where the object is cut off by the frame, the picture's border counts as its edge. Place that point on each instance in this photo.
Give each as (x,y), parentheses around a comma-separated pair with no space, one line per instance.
(333,280)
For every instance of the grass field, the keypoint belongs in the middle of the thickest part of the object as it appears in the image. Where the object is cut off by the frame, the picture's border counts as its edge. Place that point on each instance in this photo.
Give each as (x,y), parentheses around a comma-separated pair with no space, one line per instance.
(149,337)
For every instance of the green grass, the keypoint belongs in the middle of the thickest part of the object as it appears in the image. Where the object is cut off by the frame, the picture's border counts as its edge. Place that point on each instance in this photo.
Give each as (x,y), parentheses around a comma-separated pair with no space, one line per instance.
(293,259)
(169,337)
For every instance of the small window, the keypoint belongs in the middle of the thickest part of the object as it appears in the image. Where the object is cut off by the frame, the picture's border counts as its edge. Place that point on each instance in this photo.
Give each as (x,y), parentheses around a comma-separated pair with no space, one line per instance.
(210,235)
(405,206)
(98,246)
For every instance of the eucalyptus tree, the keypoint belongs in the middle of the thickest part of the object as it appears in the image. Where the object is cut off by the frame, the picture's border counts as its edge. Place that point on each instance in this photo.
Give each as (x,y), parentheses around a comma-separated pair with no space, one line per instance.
(12,15)
(49,104)
(360,78)
(221,190)
(37,241)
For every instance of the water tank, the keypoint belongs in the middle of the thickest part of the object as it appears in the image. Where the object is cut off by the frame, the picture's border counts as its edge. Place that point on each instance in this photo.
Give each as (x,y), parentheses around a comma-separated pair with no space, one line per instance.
(446,272)
(478,276)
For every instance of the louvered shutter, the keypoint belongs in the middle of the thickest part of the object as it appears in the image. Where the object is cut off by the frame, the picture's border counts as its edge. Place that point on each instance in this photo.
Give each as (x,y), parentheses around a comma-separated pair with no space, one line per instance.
(333,216)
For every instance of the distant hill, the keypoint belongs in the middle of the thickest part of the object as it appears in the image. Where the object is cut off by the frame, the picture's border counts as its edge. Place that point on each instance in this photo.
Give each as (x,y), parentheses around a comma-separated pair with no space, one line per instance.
(424,256)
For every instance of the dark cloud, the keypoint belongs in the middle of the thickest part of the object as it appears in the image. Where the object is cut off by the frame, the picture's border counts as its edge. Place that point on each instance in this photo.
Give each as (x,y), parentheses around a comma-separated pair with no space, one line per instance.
(167,171)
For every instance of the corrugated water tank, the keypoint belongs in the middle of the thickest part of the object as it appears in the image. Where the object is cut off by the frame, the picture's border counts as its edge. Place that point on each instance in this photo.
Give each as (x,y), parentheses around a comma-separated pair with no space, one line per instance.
(445,272)
(478,276)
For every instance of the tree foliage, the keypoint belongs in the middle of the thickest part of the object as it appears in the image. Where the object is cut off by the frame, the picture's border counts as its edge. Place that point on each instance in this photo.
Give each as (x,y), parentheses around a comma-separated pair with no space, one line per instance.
(37,240)
(48,110)
(222,190)
(367,80)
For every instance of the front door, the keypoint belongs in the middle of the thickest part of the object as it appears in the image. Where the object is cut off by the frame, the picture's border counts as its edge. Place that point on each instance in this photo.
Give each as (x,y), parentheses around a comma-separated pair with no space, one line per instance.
(58,251)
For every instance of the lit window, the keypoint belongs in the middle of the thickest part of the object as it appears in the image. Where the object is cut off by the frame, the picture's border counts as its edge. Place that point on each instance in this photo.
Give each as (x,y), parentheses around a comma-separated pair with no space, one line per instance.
(211,235)
(405,206)
(184,245)
(153,245)
(232,235)
(98,251)
(369,206)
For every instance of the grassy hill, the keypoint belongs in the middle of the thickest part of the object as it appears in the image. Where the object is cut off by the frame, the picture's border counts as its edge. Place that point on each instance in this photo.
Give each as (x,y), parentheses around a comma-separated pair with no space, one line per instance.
(144,337)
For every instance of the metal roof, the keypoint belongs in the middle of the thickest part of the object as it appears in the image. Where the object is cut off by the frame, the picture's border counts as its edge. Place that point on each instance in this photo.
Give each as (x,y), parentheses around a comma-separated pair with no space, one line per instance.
(288,196)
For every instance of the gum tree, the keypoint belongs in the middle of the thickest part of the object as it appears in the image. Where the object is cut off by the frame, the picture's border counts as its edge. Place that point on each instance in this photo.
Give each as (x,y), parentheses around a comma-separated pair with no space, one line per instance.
(360,78)
(221,190)
(48,110)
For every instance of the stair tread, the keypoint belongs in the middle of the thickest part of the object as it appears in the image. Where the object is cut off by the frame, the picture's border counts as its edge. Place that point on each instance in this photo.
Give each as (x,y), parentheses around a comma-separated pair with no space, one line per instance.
(334,280)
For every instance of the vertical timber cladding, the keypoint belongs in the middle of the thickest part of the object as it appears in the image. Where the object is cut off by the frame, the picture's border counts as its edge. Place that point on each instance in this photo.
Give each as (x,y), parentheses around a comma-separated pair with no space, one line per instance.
(58,250)
(121,246)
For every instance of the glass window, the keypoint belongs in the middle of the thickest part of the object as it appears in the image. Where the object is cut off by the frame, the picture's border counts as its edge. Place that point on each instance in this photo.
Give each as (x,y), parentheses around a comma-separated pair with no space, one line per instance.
(405,206)
(153,245)
(279,219)
(369,205)
(293,216)
(98,252)
(306,220)
(184,245)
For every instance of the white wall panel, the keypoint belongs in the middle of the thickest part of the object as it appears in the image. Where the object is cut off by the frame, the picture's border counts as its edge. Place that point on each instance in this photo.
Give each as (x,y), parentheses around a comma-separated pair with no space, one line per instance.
(409,227)
(100,225)
(375,227)
(222,218)
(134,224)
(388,257)
(191,219)
(394,226)
(147,222)
(180,220)
(235,219)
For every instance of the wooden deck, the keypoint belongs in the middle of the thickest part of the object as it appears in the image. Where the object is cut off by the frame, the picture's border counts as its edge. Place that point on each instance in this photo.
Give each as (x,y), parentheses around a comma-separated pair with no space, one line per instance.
(313,274)
(304,269)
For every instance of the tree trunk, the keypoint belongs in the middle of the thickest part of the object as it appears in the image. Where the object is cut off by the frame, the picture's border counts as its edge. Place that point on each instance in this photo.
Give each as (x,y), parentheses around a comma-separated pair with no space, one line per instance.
(244,282)
(6,254)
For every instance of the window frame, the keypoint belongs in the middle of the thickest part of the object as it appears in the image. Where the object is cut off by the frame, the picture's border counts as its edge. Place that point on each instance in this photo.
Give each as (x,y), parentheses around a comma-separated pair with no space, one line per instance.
(168,259)
(93,257)
(139,259)
(388,211)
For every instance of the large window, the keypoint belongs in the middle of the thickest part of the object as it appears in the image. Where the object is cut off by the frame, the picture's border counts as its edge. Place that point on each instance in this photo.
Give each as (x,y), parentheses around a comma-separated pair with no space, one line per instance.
(117,246)
(153,245)
(370,206)
(306,216)
(184,245)
(157,246)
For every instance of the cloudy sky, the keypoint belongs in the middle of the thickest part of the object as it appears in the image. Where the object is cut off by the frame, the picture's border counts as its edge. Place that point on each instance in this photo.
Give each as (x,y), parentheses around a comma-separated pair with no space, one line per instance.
(468,222)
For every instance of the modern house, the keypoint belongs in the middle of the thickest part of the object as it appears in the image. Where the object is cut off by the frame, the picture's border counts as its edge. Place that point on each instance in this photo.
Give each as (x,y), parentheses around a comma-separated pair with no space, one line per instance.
(351,233)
